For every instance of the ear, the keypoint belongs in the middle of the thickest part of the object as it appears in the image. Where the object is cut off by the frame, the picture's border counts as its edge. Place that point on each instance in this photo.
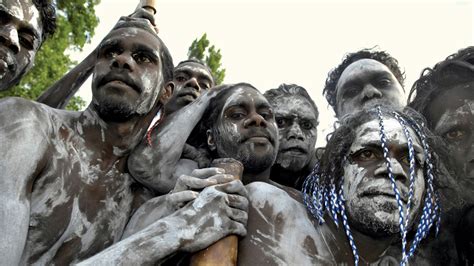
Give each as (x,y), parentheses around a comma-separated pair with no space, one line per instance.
(167,92)
(210,140)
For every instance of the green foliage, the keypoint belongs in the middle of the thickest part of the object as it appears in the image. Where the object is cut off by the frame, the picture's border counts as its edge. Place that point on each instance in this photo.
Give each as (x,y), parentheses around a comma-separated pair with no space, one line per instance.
(211,56)
(76,21)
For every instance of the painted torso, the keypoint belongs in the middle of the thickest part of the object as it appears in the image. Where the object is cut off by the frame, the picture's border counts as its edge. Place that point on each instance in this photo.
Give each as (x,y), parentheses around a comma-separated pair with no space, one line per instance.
(281,232)
(80,203)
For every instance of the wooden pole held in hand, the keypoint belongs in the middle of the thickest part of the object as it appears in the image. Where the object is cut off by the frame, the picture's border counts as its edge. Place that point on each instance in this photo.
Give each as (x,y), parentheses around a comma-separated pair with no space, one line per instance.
(224,251)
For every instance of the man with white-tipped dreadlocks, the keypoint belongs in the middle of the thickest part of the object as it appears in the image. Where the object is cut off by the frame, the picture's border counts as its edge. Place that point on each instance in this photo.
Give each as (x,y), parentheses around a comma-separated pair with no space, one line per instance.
(375,184)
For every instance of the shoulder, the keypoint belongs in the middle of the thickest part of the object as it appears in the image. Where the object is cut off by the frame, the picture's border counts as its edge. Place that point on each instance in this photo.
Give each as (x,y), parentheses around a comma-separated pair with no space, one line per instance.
(13,109)
(264,194)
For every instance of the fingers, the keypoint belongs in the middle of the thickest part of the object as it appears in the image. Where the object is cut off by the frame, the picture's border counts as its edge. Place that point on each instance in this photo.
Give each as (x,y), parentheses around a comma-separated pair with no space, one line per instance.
(238,216)
(238,202)
(145,14)
(207,172)
(186,182)
(237,228)
(178,199)
(234,187)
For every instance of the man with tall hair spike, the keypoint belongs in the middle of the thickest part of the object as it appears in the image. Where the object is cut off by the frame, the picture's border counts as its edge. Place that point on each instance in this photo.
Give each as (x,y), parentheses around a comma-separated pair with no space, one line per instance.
(69,169)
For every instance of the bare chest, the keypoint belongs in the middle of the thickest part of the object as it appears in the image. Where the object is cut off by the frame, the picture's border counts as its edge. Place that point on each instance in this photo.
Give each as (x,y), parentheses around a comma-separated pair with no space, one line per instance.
(78,208)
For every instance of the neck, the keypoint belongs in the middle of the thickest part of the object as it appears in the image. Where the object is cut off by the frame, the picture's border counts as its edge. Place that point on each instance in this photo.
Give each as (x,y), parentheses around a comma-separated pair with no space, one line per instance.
(263,176)
(370,248)
(286,177)
(113,138)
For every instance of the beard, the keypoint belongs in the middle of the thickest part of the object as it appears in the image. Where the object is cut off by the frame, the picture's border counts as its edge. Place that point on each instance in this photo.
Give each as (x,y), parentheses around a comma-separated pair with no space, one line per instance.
(114,111)
(376,219)
(291,163)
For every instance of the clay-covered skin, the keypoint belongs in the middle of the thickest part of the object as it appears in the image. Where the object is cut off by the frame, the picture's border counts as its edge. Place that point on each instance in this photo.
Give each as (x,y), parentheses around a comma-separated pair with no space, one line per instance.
(452,117)
(297,127)
(154,165)
(190,79)
(370,199)
(366,83)
(68,169)
(246,131)
(21,34)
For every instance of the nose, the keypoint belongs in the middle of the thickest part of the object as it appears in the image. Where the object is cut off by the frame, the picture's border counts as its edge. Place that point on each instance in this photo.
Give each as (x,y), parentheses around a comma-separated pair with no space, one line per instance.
(123,61)
(295,132)
(370,92)
(193,83)
(256,120)
(397,170)
(9,37)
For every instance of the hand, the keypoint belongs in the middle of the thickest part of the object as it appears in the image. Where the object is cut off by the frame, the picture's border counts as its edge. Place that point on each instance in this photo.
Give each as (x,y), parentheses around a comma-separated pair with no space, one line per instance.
(145,14)
(200,156)
(218,211)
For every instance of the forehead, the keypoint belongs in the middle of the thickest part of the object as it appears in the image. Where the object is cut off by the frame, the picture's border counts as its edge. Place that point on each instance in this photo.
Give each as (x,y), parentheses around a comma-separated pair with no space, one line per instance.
(450,100)
(193,69)
(24,11)
(293,105)
(369,132)
(245,96)
(133,36)
(360,69)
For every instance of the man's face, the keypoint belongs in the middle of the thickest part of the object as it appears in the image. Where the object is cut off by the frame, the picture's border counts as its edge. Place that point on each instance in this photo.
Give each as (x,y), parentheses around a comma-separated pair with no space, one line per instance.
(21,34)
(370,200)
(452,117)
(246,130)
(366,83)
(190,80)
(127,74)
(296,120)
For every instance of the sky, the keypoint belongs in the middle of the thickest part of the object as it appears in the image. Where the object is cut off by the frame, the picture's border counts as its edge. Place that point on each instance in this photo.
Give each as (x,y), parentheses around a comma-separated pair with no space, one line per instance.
(269,42)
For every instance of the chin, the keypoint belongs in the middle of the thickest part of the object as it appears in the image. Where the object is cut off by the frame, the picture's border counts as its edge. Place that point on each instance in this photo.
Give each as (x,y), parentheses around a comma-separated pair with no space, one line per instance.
(114,111)
(291,163)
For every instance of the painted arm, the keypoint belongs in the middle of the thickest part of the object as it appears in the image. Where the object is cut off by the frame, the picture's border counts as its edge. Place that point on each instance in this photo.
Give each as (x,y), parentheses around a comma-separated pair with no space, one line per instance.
(23,145)
(219,210)
(59,94)
(154,165)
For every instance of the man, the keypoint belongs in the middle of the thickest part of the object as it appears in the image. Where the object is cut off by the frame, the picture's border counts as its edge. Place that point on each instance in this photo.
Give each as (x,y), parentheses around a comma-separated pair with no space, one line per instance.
(364,79)
(24,26)
(191,78)
(296,116)
(445,96)
(68,169)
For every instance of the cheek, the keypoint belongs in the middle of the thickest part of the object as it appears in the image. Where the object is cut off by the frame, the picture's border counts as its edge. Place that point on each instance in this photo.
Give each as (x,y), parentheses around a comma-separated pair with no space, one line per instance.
(353,177)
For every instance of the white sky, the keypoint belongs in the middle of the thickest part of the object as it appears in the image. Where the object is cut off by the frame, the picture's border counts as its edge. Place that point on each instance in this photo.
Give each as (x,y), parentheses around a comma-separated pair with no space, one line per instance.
(269,42)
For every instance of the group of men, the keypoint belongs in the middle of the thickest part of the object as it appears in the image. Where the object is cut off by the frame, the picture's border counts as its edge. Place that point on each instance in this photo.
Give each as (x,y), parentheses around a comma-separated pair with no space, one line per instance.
(128,180)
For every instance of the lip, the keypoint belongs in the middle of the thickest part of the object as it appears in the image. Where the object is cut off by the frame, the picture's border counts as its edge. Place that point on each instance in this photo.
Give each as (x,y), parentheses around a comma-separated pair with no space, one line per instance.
(119,80)
(188,92)
(297,150)
(259,137)
(386,192)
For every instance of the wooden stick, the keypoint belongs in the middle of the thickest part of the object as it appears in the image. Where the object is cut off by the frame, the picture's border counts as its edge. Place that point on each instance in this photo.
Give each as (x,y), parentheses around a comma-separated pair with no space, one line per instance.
(224,251)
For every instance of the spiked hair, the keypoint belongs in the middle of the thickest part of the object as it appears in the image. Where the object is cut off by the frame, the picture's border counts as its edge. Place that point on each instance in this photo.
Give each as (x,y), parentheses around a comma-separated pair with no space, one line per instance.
(323,188)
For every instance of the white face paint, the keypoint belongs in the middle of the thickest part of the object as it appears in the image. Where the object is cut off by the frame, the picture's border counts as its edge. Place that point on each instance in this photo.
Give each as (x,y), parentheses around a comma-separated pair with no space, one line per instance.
(370,199)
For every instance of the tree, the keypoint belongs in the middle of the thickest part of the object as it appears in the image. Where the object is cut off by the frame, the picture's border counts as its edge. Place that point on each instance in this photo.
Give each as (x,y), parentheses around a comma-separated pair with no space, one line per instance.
(76,21)
(211,56)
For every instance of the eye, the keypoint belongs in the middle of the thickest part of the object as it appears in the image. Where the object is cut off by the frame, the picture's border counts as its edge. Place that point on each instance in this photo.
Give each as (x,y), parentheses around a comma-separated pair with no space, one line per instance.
(457,134)
(237,115)
(306,125)
(142,58)
(111,52)
(180,79)
(383,82)
(204,85)
(365,155)
(351,91)
(266,114)
(281,122)
(27,41)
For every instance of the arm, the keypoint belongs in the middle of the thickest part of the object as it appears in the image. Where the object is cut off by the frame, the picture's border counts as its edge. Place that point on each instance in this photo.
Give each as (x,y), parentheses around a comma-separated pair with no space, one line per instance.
(154,165)
(59,94)
(219,210)
(23,145)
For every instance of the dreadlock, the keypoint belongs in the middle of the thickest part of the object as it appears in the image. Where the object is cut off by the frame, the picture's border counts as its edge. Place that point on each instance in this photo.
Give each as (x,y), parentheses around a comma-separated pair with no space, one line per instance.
(323,189)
